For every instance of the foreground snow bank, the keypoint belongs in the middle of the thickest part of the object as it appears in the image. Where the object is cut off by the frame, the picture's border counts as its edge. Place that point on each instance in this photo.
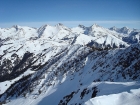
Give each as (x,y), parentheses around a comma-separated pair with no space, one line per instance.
(124,98)
(108,93)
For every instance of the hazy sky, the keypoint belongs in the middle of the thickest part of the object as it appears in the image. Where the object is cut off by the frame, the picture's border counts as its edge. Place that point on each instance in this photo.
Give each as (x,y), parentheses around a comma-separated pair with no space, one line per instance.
(35,13)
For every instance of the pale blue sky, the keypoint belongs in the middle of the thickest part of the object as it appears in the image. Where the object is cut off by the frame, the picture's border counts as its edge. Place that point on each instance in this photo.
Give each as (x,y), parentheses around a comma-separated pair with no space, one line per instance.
(35,13)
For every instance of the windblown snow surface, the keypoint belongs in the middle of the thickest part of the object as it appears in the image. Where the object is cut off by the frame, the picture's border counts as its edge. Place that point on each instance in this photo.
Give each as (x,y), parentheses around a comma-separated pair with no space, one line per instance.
(57,65)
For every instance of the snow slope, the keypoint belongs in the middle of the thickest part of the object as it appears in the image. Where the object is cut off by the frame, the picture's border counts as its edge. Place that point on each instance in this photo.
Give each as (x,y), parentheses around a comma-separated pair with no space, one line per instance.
(108,93)
(124,98)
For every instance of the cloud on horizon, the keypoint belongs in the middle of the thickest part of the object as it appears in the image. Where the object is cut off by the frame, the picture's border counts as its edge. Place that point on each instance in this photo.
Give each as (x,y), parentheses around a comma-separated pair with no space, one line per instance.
(107,24)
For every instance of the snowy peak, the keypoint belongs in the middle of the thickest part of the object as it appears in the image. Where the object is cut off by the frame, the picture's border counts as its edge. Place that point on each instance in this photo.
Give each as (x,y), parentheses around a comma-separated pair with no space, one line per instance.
(113,28)
(124,30)
(94,25)
(16,27)
(18,32)
(48,31)
(91,28)
(59,25)
(81,26)
(41,30)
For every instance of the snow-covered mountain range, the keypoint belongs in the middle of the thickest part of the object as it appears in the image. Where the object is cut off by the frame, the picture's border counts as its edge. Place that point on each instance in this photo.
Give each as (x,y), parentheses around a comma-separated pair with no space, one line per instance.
(131,36)
(57,65)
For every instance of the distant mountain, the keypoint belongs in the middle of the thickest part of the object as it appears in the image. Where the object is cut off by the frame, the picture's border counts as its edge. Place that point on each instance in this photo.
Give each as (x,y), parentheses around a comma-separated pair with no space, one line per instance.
(100,35)
(57,65)
(130,36)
